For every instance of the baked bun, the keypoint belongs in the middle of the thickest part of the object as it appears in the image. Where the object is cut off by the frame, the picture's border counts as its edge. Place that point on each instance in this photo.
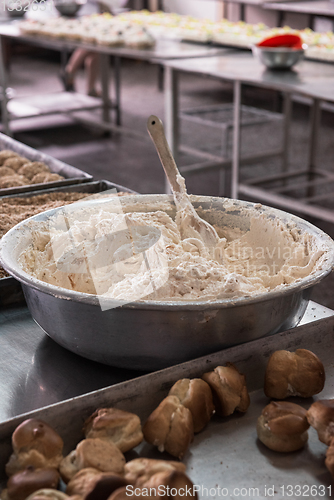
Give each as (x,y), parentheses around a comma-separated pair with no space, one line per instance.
(13,181)
(5,154)
(15,162)
(105,486)
(83,481)
(139,470)
(118,426)
(32,168)
(43,177)
(48,494)
(94,483)
(329,461)
(196,395)
(6,171)
(283,426)
(123,494)
(96,453)
(299,373)
(164,482)
(25,482)
(229,389)
(34,443)
(170,427)
(320,415)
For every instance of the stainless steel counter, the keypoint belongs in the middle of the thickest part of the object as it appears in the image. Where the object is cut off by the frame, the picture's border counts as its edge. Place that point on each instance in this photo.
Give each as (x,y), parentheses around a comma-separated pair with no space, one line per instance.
(36,372)
(163,50)
(318,8)
(308,78)
(226,460)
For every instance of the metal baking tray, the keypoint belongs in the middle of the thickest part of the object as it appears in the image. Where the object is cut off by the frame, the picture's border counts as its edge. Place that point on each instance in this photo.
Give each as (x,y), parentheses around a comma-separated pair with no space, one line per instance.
(72,175)
(227,453)
(10,288)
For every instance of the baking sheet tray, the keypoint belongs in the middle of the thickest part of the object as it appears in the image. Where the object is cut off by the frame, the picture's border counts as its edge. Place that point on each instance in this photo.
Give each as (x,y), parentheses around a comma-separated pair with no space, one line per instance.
(10,288)
(227,453)
(72,175)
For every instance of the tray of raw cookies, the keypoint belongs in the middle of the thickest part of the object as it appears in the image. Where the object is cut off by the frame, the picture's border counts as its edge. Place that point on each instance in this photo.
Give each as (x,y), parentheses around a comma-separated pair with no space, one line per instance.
(23,169)
(20,206)
(252,421)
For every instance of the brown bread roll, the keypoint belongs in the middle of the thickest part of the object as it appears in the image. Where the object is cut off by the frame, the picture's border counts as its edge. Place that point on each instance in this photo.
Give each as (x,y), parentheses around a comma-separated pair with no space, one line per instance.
(34,443)
(229,389)
(92,453)
(320,415)
(329,461)
(195,394)
(170,427)
(282,426)
(120,427)
(25,482)
(299,373)
(139,470)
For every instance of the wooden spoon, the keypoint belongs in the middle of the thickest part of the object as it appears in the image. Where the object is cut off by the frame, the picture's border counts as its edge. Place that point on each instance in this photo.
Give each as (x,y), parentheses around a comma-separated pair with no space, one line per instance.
(190,223)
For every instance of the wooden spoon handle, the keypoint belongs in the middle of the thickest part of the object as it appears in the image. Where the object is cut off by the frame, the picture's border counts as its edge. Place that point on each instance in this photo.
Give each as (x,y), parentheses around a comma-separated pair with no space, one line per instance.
(157,133)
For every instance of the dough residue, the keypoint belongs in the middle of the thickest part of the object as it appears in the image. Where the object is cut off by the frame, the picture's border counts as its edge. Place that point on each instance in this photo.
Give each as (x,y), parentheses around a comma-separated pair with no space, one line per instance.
(149,255)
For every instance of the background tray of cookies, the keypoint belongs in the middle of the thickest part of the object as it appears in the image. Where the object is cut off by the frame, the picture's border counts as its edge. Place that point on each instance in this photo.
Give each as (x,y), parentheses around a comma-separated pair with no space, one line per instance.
(225,459)
(69,174)
(10,288)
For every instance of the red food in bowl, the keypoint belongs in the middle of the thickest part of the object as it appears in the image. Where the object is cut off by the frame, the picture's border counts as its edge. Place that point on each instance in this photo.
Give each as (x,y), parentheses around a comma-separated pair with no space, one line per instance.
(289,40)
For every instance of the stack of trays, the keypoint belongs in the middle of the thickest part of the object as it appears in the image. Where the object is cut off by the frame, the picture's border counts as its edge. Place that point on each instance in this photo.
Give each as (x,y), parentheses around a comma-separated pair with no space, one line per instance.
(75,181)
(71,174)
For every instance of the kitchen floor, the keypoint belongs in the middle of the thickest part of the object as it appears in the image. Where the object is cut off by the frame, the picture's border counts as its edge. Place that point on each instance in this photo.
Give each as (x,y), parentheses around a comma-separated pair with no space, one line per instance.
(133,162)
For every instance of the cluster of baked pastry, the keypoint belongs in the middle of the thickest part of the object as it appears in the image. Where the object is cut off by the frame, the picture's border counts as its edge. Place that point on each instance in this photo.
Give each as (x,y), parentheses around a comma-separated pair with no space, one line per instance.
(16,170)
(190,405)
(283,425)
(97,469)
(102,29)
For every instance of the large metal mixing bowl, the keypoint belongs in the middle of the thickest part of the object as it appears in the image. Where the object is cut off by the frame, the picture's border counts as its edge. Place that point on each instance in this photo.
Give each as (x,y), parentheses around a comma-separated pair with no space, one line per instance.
(150,335)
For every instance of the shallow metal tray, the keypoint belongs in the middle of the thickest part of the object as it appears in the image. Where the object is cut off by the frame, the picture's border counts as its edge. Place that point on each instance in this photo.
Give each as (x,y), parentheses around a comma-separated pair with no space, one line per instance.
(10,288)
(227,453)
(72,175)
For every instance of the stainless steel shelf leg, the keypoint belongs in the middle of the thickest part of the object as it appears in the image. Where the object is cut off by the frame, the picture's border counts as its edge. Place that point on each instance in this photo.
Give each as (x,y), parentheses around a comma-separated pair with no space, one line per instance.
(236,139)
(171,114)
(287,113)
(117,70)
(315,114)
(104,64)
(4,100)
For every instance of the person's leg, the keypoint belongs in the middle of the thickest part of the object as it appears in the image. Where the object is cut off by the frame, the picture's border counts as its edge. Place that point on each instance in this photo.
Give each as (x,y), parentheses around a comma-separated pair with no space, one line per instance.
(74,63)
(92,62)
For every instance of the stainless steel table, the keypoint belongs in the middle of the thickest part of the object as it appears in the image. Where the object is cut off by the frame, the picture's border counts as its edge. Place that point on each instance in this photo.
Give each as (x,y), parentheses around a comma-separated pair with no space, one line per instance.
(242,5)
(163,50)
(311,79)
(36,372)
(313,8)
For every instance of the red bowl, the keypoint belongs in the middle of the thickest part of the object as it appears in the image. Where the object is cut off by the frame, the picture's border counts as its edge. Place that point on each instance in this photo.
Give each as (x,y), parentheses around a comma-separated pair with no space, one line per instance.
(290,40)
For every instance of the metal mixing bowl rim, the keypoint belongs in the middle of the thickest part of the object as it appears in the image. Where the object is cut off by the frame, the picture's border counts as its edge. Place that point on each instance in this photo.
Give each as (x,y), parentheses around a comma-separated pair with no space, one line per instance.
(280,49)
(85,298)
